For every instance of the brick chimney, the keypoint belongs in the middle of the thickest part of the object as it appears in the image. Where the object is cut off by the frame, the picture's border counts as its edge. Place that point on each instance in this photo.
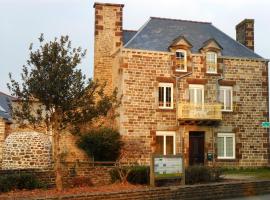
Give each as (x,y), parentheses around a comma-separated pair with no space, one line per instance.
(108,38)
(245,33)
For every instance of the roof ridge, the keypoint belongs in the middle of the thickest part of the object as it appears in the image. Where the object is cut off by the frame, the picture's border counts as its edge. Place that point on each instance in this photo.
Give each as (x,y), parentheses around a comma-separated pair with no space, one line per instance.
(164,18)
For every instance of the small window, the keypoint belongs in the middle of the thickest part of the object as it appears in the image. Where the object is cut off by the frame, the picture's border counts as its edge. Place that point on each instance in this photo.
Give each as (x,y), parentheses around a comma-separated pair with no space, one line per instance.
(225,98)
(211,62)
(165,143)
(181,60)
(226,146)
(165,95)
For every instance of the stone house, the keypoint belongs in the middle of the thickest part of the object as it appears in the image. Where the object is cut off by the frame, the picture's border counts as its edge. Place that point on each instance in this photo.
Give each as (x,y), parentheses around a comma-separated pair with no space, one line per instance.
(186,88)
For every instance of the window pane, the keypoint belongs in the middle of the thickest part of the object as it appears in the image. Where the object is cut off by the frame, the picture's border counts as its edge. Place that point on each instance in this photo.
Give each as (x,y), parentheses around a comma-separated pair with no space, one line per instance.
(220,146)
(228,99)
(169,145)
(168,97)
(221,98)
(229,146)
(199,96)
(192,95)
(159,145)
(161,96)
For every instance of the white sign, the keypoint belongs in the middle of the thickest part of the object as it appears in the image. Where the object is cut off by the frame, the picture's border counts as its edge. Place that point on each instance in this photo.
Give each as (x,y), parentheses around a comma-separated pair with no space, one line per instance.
(166,166)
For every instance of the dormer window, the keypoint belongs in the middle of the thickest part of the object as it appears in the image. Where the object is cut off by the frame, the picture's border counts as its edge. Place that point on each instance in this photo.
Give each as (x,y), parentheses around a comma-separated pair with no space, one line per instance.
(211,62)
(181,60)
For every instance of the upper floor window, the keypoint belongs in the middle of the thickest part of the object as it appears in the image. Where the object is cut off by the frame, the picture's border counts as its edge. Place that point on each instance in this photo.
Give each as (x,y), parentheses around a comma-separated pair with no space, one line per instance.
(211,62)
(165,142)
(225,98)
(165,95)
(196,94)
(226,145)
(181,60)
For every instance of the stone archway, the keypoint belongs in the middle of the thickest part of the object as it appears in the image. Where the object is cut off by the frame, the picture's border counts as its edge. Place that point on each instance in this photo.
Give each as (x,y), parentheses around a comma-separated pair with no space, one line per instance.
(27,150)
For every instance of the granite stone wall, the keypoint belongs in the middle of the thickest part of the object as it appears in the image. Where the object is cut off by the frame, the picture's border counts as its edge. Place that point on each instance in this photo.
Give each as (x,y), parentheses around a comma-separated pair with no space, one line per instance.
(22,150)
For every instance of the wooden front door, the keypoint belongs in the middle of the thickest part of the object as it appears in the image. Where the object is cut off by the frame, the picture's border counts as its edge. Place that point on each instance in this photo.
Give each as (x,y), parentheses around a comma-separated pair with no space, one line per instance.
(196,148)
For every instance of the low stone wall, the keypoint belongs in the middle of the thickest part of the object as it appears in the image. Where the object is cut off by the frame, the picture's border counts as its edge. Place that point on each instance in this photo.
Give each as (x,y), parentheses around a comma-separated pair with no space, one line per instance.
(46,177)
(98,175)
(72,172)
(194,192)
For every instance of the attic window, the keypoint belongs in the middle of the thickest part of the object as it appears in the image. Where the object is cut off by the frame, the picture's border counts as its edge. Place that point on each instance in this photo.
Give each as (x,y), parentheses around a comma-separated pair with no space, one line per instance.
(211,62)
(181,60)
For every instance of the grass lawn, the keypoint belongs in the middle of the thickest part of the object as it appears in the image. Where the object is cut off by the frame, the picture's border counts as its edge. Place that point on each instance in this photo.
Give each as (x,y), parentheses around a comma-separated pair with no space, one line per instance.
(258,173)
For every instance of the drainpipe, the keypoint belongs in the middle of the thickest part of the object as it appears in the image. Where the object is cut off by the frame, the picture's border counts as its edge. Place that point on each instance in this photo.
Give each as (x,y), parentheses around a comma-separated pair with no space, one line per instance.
(177,78)
(221,78)
(217,99)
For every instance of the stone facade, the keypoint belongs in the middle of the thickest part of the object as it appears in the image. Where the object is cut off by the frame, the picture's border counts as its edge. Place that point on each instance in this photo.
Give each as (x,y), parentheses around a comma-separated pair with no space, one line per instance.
(137,74)
(22,150)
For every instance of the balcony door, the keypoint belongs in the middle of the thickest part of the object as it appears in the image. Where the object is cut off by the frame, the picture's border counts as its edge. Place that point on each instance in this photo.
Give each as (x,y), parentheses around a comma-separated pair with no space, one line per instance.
(196,94)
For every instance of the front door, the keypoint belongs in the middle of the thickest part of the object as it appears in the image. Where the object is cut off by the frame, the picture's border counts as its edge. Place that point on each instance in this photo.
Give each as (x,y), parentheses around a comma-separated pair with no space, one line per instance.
(196,148)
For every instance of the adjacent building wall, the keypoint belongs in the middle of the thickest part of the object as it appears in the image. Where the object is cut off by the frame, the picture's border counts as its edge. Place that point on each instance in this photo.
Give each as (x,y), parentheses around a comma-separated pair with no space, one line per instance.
(108,38)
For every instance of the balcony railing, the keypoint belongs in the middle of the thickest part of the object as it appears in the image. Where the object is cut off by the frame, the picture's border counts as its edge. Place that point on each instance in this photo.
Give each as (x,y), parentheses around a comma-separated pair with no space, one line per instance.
(188,111)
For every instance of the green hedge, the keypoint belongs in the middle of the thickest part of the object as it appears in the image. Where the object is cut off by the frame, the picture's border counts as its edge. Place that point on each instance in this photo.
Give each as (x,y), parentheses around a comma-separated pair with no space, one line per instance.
(137,175)
(103,144)
(19,181)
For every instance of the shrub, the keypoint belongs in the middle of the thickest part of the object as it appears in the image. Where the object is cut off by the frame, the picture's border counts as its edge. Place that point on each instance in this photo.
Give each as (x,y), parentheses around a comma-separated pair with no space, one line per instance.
(137,174)
(202,174)
(18,181)
(103,144)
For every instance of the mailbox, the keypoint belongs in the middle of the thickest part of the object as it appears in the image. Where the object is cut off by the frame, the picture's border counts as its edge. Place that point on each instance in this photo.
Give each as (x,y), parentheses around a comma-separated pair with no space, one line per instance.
(210,156)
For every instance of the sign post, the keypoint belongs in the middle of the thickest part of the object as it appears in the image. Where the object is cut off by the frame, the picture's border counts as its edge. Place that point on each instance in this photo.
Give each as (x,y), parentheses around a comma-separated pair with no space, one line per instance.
(166,167)
(265,124)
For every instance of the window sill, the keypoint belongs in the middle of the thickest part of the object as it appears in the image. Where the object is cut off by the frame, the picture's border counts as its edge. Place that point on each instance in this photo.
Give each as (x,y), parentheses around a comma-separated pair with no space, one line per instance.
(226,160)
(227,111)
(166,110)
(212,73)
(180,70)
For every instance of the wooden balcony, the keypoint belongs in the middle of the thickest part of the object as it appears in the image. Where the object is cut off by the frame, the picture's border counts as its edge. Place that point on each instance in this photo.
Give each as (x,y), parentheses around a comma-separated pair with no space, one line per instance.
(199,114)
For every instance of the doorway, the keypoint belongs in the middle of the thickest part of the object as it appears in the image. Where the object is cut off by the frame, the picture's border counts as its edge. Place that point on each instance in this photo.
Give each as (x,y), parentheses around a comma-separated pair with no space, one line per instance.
(196,148)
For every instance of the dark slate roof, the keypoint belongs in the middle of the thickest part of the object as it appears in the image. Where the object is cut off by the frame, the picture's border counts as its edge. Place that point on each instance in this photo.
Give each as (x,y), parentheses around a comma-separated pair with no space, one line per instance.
(127,35)
(4,106)
(158,33)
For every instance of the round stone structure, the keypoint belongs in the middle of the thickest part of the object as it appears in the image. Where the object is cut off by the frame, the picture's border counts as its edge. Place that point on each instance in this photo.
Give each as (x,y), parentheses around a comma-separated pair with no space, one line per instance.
(27,150)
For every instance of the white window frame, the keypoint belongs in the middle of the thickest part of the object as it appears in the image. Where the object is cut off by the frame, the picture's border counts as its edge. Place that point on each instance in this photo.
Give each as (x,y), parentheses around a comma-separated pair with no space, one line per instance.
(196,87)
(164,102)
(224,136)
(164,134)
(215,63)
(224,89)
(185,59)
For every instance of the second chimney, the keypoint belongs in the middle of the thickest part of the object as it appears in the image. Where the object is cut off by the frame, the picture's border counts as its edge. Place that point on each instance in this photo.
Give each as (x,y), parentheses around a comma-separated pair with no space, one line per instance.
(245,33)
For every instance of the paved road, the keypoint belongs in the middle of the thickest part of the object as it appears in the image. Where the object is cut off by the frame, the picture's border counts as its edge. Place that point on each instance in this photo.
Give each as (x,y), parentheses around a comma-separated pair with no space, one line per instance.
(260,197)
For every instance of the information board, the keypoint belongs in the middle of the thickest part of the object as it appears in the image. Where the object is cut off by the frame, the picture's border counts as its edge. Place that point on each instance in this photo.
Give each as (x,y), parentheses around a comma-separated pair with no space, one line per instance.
(168,167)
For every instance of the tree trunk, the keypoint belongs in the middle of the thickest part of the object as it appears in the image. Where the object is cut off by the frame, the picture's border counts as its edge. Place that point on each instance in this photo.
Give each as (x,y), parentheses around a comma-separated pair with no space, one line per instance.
(57,155)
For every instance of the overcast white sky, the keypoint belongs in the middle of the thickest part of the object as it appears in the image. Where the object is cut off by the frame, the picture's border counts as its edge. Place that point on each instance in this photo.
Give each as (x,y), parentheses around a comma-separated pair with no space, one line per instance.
(22,21)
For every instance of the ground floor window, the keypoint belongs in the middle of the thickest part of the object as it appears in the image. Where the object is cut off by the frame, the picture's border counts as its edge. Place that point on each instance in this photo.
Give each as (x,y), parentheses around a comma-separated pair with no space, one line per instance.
(226,145)
(165,142)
